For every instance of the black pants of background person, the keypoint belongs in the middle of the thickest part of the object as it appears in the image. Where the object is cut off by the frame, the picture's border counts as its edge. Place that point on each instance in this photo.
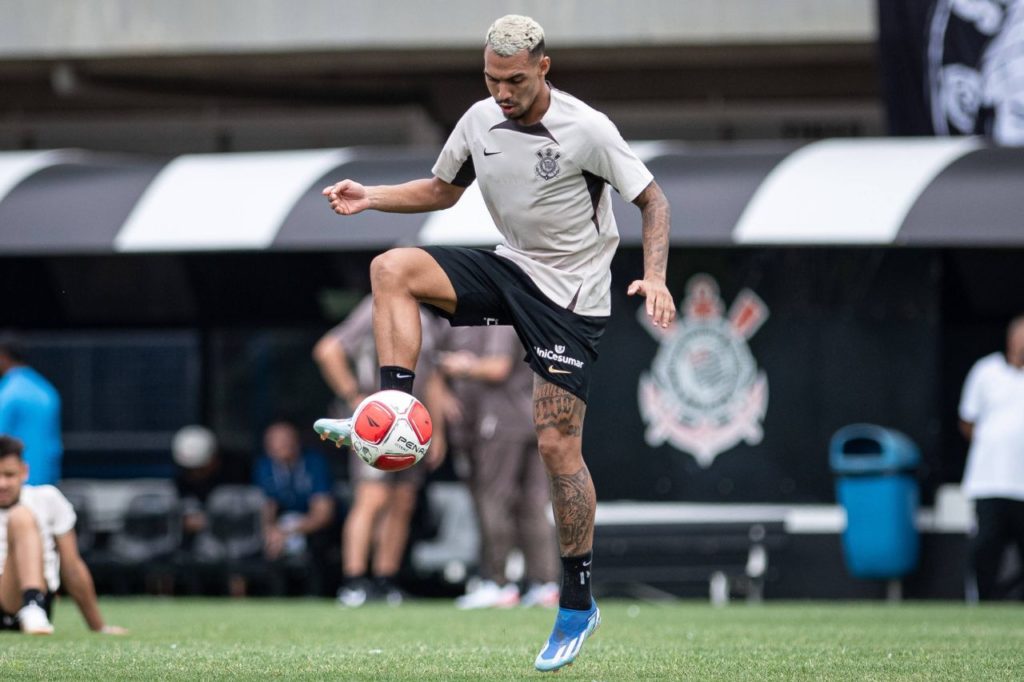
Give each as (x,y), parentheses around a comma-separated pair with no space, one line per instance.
(1000,525)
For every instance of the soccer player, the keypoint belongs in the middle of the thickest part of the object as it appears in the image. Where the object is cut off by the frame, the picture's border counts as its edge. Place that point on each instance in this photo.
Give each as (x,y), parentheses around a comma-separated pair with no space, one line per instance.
(544,161)
(383,502)
(38,548)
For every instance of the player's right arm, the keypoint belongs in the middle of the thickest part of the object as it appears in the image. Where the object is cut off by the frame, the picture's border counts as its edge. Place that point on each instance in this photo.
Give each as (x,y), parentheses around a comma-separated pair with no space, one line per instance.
(972,399)
(330,356)
(77,580)
(348,197)
(435,393)
(452,173)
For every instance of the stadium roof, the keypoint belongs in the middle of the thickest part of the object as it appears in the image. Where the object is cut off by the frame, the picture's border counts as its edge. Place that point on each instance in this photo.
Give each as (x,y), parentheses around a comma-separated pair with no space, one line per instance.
(917,192)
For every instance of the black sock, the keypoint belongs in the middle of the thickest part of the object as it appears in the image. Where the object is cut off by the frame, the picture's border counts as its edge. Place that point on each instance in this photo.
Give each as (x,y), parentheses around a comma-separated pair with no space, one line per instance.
(576,582)
(396,378)
(36,597)
(384,582)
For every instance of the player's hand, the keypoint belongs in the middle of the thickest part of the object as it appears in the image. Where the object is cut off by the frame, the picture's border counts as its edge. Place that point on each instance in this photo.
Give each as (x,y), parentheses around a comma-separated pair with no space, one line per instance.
(450,406)
(115,630)
(437,451)
(660,306)
(458,364)
(347,197)
(273,542)
(355,401)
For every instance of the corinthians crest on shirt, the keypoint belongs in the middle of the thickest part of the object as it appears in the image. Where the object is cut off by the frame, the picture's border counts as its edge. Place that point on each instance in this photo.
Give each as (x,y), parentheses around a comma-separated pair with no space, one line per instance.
(704,393)
(547,166)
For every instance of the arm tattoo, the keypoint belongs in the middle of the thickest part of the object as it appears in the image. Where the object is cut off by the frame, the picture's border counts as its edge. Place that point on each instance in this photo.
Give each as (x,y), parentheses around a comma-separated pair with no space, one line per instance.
(655,215)
(573,501)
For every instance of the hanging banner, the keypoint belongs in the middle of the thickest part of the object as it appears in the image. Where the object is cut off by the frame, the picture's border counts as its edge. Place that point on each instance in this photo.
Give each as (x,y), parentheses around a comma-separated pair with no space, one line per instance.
(954,67)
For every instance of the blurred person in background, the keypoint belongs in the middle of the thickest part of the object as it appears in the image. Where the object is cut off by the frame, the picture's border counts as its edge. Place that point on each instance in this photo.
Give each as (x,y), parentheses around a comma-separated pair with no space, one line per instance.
(30,411)
(39,552)
(297,484)
(382,502)
(545,163)
(992,419)
(200,469)
(492,386)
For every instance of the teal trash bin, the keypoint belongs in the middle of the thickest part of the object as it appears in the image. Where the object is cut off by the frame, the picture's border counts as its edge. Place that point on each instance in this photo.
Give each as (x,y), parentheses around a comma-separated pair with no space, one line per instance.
(874,468)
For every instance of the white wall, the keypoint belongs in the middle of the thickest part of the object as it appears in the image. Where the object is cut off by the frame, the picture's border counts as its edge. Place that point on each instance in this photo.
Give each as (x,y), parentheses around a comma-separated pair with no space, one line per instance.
(97,28)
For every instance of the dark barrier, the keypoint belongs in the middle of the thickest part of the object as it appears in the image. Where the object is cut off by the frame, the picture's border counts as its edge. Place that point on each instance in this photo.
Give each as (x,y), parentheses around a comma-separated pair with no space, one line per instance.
(791,344)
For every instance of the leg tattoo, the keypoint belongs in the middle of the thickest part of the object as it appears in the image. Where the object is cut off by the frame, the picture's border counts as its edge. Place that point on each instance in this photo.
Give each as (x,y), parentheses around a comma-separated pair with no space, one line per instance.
(573,500)
(558,418)
(556,408)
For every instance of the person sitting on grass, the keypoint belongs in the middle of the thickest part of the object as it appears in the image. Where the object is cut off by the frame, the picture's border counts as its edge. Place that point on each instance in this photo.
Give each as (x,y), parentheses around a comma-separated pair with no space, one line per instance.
(38,549)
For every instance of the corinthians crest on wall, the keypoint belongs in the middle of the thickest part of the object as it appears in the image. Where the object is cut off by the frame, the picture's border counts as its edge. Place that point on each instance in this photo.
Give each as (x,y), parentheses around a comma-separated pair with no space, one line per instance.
(705,393)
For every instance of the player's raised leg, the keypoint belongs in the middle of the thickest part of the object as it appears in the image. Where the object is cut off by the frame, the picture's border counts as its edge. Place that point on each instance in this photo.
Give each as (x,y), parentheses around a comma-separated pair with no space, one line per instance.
(558,419)
(401,279)
(22,586)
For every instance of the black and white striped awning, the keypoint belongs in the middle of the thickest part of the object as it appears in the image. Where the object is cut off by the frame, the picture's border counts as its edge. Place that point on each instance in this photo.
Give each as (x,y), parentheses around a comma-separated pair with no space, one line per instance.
(929,192)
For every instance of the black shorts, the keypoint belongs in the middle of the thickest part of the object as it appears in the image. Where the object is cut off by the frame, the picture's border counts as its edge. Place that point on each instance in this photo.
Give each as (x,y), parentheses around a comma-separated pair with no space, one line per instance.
(560,345)
(9,621)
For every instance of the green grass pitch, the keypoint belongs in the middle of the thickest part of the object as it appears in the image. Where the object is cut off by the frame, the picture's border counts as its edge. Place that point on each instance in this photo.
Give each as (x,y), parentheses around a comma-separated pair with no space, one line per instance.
(209,639)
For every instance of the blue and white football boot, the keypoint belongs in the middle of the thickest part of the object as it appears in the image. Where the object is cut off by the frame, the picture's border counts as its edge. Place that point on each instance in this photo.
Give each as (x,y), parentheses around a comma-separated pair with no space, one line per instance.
(571,629)
(338,431)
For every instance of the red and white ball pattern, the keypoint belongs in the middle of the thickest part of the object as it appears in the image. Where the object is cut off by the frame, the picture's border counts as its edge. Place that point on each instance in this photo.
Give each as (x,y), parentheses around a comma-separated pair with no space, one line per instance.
(391,430)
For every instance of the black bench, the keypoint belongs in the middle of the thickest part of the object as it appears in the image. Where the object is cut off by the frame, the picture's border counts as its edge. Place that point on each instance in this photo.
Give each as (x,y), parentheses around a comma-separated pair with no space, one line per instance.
(686,559)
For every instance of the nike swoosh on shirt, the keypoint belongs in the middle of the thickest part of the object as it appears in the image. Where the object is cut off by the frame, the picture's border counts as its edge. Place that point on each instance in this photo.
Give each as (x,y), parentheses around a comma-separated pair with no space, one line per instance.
(487,153)
(555,370)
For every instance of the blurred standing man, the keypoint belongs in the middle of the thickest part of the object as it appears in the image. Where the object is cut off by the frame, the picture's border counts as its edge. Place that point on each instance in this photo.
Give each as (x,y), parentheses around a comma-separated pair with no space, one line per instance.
(544,161)
(38,549)
(30,411)
(506,475)
(383,502)
(992,419)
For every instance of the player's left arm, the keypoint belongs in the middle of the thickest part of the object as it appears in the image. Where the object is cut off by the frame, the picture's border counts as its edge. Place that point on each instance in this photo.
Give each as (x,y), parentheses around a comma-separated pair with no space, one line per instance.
(655,215)
(77,579)
(464,364)
(321,511)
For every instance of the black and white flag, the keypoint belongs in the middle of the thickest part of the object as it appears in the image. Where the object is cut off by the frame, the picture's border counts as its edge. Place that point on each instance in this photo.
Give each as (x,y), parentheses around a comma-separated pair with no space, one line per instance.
(954,67)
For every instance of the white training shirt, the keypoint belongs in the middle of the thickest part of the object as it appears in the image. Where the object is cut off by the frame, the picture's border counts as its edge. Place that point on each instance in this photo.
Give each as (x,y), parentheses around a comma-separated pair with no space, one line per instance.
(547,189)
(993,400)
(54,515)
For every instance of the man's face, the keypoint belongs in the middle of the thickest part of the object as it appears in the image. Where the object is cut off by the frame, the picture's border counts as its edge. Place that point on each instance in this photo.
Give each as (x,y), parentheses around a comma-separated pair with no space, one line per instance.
(515,82)
(1015,346)
(13,472)
(282,443)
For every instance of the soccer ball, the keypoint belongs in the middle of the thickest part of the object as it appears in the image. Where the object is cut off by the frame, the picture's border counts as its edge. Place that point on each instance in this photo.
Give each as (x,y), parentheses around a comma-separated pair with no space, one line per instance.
(391,430)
